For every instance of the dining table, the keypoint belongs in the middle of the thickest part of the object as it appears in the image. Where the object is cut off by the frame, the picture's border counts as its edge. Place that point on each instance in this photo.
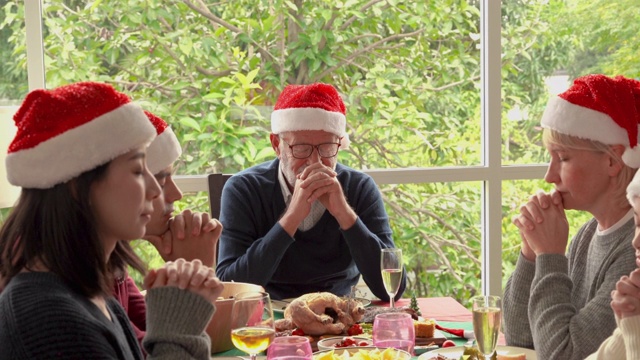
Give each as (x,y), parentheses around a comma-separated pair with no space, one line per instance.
(447,312)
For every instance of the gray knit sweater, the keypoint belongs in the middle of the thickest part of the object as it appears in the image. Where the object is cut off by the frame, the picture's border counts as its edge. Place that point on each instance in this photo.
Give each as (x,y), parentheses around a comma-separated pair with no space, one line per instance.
(42,318)
(561,304)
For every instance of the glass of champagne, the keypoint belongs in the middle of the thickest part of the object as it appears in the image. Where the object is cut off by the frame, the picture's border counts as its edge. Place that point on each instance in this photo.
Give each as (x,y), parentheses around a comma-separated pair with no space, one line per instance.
(252,322)
(391,267)
(487,317)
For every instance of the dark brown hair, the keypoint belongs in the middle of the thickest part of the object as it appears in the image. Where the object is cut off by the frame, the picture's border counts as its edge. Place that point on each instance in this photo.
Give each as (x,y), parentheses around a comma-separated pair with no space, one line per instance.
(57,227)
(122,256)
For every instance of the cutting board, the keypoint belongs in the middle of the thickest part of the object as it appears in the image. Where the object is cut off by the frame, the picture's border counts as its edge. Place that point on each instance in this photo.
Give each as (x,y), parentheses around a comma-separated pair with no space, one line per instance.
(437,339)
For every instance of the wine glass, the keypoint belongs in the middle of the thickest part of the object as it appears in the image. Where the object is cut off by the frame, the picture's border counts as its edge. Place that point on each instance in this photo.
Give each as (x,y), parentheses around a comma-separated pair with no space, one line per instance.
(487,317)
(394,330)
(391,266)
(290,348)
(252,323)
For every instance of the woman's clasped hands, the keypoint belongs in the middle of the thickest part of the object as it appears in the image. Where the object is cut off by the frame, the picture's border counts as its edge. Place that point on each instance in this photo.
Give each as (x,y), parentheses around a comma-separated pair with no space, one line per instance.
(625,299)
(186,275)
(543,225)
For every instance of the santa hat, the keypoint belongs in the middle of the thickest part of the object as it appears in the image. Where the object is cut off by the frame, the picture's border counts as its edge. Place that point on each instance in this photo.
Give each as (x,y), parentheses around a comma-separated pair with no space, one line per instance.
(64,132)
(164,149)
(310,107)
(600,108)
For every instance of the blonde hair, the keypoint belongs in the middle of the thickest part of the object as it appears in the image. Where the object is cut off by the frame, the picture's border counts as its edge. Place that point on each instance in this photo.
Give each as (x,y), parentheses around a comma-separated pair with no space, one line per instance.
(552,137)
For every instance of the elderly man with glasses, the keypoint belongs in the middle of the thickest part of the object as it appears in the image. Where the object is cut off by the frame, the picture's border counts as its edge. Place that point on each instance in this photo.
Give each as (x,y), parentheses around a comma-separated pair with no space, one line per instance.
(303,222)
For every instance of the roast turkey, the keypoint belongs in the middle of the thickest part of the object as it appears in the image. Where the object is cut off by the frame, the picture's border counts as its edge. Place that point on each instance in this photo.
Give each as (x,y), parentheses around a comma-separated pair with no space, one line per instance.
(321,313)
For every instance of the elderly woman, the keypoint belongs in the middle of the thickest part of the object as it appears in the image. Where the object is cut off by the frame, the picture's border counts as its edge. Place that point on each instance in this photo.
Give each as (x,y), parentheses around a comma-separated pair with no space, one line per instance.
(557,300)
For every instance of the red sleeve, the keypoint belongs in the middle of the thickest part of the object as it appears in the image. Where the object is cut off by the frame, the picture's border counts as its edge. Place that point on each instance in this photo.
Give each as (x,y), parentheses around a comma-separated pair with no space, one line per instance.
(137,309)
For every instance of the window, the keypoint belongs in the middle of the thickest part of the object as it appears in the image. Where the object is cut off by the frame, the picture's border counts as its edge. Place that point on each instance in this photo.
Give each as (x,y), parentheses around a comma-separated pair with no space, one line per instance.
(443,98)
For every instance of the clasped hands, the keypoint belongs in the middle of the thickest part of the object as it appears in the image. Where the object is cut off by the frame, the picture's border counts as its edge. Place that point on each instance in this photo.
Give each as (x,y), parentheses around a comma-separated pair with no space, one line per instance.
(186,275)
(625,299)
(191,235)
(320,182)
(543,225)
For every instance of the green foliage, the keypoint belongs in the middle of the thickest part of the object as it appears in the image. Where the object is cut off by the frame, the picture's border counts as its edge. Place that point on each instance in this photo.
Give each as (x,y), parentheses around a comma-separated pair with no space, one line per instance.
(608,43)
(13,79)
(409,72)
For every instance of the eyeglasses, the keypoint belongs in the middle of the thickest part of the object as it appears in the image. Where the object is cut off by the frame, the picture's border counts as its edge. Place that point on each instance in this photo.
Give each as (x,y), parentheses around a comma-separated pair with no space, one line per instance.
(303,151)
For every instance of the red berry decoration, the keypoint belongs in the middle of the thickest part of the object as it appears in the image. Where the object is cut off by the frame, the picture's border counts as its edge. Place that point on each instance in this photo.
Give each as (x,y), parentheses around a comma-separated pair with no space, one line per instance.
(355,329)
(298,332)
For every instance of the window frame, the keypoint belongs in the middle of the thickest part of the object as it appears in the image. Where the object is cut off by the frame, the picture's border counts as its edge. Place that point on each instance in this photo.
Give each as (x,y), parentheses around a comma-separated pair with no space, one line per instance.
(492,173)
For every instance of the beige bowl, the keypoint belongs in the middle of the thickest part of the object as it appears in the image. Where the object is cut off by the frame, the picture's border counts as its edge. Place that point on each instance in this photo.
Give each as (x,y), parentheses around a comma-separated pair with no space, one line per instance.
(219,328)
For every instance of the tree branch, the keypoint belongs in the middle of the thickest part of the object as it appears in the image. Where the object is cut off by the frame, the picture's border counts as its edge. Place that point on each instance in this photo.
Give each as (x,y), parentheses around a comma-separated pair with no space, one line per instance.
(211,73)
(367,49)
(362,9)
(204,11)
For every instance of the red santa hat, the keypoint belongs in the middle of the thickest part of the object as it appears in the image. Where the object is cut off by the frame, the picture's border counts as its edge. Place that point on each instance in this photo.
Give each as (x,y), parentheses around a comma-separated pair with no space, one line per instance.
(164,149)
(601,108)
(64,132)
(310,107)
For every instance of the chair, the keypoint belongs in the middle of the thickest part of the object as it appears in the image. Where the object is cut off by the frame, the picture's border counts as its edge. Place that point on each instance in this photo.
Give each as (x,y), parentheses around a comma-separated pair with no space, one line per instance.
(216,183)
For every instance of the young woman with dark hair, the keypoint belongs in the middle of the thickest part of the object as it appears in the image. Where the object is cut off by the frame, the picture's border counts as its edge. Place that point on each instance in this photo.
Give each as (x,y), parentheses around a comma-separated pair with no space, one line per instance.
(79,156)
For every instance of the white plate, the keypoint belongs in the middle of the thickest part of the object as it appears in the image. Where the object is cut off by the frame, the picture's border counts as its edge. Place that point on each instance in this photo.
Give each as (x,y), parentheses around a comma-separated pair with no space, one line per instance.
(365,302)
(400,354)
(455,352)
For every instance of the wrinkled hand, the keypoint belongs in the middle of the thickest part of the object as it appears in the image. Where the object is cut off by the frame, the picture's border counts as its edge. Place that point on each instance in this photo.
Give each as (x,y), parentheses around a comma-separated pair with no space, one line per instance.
(191,235)
(324,186)
(543,225)
(625,299)
(186,275)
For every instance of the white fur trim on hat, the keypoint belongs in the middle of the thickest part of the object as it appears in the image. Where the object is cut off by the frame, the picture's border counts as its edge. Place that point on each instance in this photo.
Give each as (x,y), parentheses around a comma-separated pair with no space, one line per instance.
(631,157)
(633,189)
(570,119)
(163,151)
(300,119)
(80,149)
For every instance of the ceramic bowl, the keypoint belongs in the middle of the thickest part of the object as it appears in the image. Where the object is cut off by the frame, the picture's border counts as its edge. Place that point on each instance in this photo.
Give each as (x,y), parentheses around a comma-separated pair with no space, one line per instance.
(219,328)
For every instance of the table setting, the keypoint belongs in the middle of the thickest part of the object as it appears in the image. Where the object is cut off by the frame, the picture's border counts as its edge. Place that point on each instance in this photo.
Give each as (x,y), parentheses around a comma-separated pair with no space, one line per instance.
(349,328)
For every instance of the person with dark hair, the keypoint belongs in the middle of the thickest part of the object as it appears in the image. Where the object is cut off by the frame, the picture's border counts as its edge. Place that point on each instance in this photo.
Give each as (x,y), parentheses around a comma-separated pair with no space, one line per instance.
(79,156)
(304,222)
(188,235)
(558,299)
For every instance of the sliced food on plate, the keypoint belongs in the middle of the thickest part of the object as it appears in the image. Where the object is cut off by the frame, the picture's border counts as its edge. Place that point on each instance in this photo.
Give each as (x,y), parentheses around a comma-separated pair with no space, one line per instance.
(471,353)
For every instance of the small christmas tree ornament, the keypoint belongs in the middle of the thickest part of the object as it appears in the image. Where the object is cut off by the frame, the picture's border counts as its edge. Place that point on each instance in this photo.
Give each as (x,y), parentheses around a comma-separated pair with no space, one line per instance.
(414,305)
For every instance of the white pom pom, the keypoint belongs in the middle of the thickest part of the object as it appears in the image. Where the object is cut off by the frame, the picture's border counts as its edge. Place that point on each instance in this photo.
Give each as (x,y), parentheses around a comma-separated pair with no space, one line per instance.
(631,157)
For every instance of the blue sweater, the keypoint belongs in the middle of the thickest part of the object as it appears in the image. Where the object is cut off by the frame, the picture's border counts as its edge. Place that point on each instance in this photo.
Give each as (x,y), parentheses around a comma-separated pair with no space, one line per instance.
(254,247)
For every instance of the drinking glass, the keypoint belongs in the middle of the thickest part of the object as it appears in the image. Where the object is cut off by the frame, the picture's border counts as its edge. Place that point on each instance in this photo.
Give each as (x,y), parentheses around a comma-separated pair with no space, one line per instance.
(391,267)
(290,348)
(487,317)
(252,323)
(394,330)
